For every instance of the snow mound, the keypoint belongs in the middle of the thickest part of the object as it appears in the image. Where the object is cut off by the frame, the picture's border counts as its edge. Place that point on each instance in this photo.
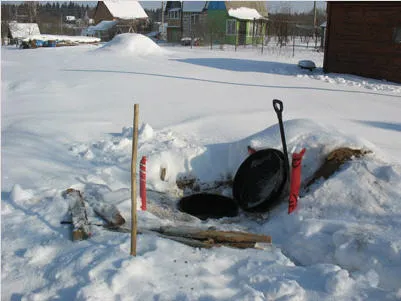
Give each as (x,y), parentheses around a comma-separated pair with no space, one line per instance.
(132,44)
(18,194)
(185,157)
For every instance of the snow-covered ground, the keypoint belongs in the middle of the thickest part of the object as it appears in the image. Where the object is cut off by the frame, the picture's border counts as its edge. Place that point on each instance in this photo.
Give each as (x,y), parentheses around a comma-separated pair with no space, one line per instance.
(67,122)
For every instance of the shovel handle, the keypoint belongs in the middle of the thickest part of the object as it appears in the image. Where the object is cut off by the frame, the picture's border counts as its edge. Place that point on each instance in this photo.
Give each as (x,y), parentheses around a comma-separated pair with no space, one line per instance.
(278,106)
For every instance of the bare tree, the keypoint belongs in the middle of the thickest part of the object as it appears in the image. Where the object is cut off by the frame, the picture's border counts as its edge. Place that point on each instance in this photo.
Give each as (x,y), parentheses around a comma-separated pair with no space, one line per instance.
(32,11)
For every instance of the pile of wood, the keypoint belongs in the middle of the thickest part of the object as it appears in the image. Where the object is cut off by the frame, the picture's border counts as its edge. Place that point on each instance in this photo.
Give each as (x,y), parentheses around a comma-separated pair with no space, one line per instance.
(199,238)
(334,160)
(79,214)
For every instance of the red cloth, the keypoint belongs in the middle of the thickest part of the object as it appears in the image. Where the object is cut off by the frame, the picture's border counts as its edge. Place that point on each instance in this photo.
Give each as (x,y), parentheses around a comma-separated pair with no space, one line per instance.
(142,186)
(295,180)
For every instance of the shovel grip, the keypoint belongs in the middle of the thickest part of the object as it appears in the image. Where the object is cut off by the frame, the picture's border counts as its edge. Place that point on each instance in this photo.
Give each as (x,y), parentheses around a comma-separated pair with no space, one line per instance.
(278,106)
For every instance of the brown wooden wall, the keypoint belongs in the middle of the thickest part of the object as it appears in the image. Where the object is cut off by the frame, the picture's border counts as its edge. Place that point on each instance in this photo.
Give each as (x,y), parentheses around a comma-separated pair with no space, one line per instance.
(102,13)
(360,39)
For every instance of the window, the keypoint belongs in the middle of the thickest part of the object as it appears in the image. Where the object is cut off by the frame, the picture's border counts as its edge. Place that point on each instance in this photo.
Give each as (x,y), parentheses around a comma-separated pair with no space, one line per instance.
(397,35)
(195,19)
(231,27)
(174,14)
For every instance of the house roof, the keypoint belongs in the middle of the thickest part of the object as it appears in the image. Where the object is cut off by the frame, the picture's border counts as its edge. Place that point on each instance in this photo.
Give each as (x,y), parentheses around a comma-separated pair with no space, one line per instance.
(126,9)
(244,13)
(258,6)
(194,6)
(23,30)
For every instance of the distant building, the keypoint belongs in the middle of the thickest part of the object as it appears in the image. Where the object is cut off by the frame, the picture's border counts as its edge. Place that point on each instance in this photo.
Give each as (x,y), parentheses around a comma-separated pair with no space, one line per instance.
(238,22)
(194,17)
(364,38)
(130,15)
(230,22)
(19,31)
(70,19)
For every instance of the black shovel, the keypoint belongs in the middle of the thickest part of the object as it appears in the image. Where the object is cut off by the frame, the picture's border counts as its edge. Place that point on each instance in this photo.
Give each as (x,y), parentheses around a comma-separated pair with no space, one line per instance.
(278,107)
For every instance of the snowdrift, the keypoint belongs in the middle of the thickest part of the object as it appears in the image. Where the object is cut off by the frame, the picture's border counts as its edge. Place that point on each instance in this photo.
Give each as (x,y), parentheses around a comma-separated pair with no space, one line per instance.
(339,221)
(132,44)
(183,157)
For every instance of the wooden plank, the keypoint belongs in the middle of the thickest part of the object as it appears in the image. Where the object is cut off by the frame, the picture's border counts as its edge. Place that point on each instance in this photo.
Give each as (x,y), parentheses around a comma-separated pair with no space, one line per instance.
(199,238)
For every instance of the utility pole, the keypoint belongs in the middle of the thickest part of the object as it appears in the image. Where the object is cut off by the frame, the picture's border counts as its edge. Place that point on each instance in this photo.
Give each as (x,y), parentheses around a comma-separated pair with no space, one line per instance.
(314,22)
(182,19)
(163,33)
(314,14)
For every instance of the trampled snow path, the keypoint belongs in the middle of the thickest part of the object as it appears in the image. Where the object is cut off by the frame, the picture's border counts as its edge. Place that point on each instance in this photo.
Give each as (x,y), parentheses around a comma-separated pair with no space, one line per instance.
(70,126)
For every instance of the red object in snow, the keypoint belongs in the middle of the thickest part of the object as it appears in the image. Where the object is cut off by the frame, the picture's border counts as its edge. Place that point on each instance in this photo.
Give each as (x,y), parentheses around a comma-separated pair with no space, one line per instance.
(251,150)
(142,186)
(295,180)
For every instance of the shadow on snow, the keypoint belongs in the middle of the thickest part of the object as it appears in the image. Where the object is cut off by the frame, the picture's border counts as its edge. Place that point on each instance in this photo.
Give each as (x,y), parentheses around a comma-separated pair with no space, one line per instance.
(382,125)
(224,82)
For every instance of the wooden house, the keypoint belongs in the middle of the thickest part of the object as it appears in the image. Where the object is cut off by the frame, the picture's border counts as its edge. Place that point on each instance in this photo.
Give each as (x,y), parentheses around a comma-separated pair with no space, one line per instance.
(230,22)
(364,38)
(194,18)
(185,19)
(129,16)
(237,22)
(174,21)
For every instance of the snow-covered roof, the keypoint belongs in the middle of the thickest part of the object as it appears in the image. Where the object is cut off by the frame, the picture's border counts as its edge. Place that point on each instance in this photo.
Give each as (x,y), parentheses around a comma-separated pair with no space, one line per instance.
(194,6)
(126,9)
(23,30)
(102,26)
(244,13)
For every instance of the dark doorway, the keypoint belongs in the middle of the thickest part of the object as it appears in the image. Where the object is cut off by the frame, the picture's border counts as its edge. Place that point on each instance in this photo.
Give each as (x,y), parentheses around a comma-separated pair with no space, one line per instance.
(242,33)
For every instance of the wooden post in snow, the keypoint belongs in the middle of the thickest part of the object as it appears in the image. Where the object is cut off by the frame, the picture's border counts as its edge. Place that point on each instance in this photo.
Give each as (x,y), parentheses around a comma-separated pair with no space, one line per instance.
(133,180)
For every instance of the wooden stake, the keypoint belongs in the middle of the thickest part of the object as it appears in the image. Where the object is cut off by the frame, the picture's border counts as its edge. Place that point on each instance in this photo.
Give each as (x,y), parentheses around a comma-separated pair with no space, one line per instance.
(133,180)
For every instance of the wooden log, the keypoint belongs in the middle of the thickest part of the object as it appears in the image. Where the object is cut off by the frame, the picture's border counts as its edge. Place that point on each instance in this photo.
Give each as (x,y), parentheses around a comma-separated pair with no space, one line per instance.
(79,217)
(234,237)
(206,238)
(110,214)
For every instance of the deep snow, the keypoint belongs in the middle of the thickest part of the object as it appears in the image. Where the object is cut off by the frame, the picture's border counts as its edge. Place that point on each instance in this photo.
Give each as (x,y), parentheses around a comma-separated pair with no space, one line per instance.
(70,125)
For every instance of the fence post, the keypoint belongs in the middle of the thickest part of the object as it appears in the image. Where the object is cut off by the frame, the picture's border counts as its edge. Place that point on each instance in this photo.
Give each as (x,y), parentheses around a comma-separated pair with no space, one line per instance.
(293,46)
(133,180)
